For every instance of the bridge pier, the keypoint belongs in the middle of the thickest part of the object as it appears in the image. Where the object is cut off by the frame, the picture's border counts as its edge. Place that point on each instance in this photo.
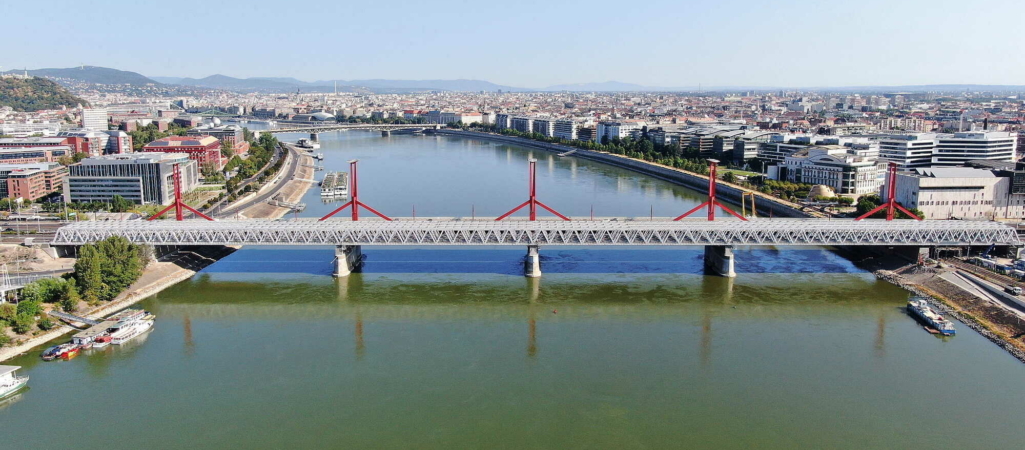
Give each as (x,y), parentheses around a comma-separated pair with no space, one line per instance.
(532,262)
(385,133)
(348,259)
(719,260)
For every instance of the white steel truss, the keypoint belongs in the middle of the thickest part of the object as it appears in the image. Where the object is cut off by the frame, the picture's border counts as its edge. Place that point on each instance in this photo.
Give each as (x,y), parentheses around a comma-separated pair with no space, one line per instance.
(610,231)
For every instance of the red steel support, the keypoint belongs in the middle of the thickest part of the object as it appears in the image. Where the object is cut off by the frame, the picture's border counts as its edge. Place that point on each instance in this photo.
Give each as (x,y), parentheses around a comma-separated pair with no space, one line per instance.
(178,204)
(532,201)
(712,202)
(891,197)
(354,203)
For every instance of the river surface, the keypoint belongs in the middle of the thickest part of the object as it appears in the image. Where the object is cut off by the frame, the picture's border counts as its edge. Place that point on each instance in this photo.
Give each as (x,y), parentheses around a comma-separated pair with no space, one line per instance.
(452,348)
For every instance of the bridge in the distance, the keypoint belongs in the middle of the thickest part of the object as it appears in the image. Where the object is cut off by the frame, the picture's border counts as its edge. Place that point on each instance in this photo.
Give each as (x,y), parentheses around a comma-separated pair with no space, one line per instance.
(316,127)
(718,237)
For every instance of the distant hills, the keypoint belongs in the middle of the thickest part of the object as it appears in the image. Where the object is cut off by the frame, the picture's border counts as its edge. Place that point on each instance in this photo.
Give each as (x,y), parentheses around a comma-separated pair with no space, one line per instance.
(33,94)
(92,74)
(291,84)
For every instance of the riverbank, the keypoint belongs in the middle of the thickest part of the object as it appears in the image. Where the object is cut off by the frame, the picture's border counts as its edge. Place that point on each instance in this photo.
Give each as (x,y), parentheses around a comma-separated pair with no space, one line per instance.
(767,205)
(159,275)
(996,324)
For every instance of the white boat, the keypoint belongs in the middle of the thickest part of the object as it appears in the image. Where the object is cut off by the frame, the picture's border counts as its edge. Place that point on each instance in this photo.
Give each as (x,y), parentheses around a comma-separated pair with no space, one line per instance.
(128,329)
(10,382)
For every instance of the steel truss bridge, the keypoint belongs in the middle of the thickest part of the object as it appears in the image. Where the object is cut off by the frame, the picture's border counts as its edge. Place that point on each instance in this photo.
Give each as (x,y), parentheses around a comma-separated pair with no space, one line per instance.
(313,127)
(597,231)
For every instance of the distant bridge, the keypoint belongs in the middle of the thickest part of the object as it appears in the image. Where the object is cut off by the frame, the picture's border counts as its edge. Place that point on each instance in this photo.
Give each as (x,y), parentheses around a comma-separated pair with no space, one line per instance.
(314,127)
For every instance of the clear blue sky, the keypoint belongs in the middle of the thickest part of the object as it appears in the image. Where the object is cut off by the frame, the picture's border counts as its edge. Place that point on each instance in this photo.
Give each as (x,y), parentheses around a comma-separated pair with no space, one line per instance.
(534,43)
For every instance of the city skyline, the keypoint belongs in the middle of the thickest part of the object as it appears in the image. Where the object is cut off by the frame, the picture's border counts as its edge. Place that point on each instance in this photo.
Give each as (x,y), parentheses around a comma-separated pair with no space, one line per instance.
(538,45)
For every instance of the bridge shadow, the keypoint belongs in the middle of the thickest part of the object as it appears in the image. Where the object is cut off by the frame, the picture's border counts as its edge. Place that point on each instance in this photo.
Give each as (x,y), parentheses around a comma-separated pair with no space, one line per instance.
(506,261)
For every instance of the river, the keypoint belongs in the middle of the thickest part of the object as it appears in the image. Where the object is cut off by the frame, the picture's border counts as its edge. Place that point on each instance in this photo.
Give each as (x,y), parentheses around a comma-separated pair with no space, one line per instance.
(452,348)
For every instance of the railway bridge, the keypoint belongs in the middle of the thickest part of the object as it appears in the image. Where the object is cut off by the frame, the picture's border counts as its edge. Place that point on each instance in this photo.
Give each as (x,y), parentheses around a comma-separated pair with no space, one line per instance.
(718,237)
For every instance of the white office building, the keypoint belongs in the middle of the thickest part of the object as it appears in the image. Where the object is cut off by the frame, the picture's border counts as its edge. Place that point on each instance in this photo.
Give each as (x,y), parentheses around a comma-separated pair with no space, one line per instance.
(908,150)
(95,119)
(959,148)
(952,192)
(137,177)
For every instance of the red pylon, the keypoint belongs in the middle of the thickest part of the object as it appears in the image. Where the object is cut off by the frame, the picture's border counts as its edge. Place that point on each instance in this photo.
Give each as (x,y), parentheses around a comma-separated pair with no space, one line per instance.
(891,198)
(354,192)
(178,204)
(711,203)
(532,201)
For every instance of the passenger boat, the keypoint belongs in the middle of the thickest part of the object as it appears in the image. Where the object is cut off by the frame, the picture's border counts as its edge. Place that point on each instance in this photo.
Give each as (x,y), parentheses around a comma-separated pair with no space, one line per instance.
(128,329)
(307,144)
(919,307)
(10,382)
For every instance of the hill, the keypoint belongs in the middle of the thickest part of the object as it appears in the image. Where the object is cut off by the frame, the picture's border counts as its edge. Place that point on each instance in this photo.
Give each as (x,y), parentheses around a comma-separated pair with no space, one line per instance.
(34,94)
(92,74)
(285,84)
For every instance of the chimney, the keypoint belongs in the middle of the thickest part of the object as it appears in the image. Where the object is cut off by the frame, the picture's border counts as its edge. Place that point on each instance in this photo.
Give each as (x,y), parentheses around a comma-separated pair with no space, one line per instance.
(985,124)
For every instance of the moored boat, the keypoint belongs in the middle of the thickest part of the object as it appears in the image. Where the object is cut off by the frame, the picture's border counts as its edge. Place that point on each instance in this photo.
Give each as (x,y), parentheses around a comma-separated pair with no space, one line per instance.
(101,342)
(52,353)
(10,382)
(919,307)
(126,330)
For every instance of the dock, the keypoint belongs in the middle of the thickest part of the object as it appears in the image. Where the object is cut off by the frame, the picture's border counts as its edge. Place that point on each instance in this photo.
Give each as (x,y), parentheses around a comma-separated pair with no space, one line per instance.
(72,318)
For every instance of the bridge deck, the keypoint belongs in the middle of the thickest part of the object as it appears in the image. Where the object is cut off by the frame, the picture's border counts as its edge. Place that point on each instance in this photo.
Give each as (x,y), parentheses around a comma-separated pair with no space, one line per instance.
(486,231)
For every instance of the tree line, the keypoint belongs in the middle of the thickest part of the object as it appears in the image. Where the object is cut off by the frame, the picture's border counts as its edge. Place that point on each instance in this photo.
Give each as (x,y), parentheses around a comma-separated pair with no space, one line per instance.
(102,272)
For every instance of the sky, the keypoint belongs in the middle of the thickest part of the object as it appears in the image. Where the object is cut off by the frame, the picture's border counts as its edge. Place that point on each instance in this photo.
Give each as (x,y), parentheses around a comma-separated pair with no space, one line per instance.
(534,44)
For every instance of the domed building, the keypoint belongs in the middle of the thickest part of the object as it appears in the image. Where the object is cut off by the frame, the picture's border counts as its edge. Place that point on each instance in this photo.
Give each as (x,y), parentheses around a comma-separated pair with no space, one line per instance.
(820,190)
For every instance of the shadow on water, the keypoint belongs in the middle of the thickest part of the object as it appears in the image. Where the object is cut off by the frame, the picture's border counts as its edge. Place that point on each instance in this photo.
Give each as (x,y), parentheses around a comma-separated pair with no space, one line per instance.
(505,261)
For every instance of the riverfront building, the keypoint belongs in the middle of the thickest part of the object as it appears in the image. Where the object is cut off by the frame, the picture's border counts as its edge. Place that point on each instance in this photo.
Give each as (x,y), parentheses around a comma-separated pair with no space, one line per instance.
(908,150)
(565,129)
(834,166)
(145,178)
(202,149)
(612,130)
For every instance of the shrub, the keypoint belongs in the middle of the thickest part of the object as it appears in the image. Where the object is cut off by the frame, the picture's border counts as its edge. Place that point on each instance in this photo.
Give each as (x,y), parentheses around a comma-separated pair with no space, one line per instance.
(23,323)
(46,324)
(8,312)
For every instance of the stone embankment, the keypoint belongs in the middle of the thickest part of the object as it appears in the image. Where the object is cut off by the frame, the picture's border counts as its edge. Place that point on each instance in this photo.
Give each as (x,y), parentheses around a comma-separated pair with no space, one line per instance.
(944,296)
(767,205)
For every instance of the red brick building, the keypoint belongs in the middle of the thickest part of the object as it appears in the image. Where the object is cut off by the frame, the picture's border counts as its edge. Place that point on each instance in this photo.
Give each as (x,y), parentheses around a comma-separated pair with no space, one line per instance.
(202,149)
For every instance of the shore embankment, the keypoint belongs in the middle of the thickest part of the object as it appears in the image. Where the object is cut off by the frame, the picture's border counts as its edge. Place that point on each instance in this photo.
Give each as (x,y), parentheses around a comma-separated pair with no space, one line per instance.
(767,205)
(991,321)
(290,185)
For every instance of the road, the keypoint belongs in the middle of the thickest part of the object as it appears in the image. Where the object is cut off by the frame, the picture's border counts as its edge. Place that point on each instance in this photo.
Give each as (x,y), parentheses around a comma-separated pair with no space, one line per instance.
(290,170)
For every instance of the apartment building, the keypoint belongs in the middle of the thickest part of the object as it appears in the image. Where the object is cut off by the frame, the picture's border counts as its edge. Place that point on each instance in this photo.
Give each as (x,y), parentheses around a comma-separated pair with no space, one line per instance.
(611,130)
(565,129)
(546,127)
(95,119)
(522,124)
(202,149)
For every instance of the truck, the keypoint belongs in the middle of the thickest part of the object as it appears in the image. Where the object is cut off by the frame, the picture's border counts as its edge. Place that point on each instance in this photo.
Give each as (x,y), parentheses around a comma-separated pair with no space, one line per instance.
(1013,290)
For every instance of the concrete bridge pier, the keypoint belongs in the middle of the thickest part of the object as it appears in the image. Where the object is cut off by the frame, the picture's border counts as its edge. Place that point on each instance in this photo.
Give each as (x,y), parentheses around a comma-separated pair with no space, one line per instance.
(314,137)
(348,259)
(719,260)
(532,262)
(385,133)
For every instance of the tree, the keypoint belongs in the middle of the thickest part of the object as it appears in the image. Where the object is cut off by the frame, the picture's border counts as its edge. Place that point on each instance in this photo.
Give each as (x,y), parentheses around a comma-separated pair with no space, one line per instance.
(32,308)
(69,298)
(88,273)
(119,204)
(227,151)
(120,265)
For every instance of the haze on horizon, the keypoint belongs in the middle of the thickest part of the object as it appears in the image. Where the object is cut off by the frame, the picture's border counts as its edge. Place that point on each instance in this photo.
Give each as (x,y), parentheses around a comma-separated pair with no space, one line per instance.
(535,44)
